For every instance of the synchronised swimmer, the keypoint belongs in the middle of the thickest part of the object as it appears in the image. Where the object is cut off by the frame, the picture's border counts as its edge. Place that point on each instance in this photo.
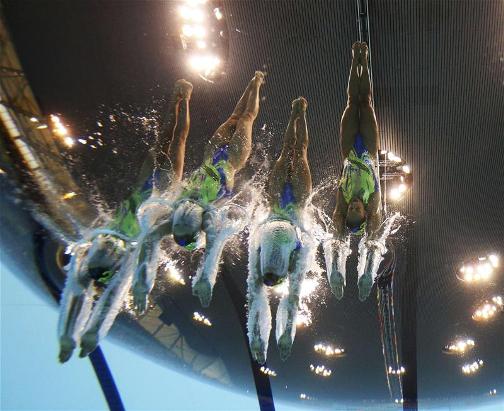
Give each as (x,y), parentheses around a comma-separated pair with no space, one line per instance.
(123,257)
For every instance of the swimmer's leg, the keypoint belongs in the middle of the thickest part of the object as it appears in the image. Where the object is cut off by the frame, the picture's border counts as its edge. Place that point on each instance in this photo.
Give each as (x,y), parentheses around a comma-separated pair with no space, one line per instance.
(206,275)
(176,149)
(76,303)
(240,144)
(368,124)
(349,126)
(301,175)
(224,133)
(287,312)
(217,235)
(168,153)
(258,312)
(282,170)
(108,306)
(336,252)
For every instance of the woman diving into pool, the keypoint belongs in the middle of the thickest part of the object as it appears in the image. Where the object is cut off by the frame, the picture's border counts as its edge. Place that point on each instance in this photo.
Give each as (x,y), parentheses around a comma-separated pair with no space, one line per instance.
(131,243)
(277,249)
(358,200)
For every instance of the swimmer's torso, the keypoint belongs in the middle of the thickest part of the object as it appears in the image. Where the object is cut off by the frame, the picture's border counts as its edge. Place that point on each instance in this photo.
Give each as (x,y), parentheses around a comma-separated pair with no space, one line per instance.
(285,207)
(359,176)
(213,180)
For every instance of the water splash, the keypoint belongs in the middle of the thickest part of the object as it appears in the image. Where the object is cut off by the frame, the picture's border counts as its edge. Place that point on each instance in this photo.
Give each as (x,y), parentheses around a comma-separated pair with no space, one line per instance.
(371,252)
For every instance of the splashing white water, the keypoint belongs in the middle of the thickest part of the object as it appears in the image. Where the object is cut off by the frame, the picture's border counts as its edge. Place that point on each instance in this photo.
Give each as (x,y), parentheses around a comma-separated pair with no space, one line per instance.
(371,252)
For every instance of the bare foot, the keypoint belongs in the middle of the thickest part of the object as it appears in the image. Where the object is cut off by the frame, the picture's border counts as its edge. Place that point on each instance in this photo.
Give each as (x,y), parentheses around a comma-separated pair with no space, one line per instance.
(356,50)
(299,106)
(183,89)
(259,76)
(364,52)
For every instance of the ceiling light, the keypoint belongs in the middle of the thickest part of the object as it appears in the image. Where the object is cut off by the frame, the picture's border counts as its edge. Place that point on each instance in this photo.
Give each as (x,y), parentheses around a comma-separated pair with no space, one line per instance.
(395,194)
(201,319)
(460,346)
(472,368)
(320,370)
(328,350)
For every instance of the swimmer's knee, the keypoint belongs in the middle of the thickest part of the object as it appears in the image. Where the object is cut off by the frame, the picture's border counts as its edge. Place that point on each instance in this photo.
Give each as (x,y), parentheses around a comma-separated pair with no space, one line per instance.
(247,116)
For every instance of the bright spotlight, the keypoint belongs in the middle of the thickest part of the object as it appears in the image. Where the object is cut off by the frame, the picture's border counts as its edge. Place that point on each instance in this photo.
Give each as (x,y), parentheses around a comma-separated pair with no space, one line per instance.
(187,30)
(472,368)
(395,194)
(69,141)
(191,14)
(489,309)
(406,168)
(267,371)
(200,318)
(459,347)
(201,44)
(204,64)
(321,370)
(400,371)
(195,3)
(494,260)
(199,32)
(479,270)
(328,350)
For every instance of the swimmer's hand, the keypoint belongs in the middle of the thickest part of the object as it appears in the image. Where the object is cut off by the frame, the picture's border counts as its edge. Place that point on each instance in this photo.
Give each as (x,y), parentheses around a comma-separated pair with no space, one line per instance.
(203,290)
(285,345)
(140,297)
(258,349)
(337,282)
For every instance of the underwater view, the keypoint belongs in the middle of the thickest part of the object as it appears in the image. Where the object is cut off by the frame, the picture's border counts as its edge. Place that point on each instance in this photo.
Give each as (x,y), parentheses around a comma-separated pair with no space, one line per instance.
(252,205)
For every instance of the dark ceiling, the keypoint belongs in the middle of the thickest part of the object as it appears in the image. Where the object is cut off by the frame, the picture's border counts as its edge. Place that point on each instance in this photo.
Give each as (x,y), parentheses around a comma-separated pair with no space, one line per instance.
(438,69)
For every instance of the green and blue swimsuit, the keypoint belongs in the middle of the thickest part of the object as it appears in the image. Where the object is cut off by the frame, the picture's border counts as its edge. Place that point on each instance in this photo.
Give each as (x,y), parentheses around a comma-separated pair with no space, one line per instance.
(212,181)
(359,177)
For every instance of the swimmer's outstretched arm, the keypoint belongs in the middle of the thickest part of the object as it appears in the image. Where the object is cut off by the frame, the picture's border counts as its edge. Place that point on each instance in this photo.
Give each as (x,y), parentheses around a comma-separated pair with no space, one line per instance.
(374,218)
(259,312)
(339,216)
(217,234)
(76,303)
(288,309)
(108,306)
(206,275)
(337,250)
(146,263)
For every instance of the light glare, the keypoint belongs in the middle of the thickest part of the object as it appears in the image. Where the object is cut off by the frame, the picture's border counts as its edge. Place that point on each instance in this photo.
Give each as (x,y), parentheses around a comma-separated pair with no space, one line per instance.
(201,319)
(218,14)
(320,370)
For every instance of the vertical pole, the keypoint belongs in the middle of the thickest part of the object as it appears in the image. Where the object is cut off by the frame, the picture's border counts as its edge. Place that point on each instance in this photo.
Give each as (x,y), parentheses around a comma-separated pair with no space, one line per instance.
(106,380)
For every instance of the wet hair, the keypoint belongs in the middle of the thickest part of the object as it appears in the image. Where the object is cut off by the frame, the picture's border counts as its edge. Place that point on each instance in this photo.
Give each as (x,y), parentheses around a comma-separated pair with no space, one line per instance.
(187,220)
(278,241)
(271,279)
